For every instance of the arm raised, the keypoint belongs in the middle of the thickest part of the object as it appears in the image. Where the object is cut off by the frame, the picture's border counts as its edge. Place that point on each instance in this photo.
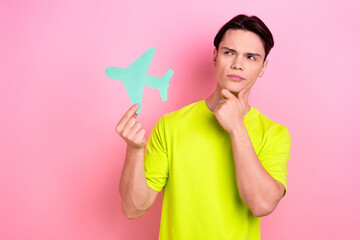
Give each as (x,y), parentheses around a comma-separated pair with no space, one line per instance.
(136,196)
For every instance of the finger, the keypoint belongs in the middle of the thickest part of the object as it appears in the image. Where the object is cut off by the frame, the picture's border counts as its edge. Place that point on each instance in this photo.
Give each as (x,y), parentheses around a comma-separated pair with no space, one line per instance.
(242,94)
(128,127)
(227,94)
(141,135)
(130,113)
(139,138)
(135,129)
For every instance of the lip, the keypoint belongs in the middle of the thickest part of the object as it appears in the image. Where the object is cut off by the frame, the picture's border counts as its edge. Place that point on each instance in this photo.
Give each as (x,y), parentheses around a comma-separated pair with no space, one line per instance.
(235,77)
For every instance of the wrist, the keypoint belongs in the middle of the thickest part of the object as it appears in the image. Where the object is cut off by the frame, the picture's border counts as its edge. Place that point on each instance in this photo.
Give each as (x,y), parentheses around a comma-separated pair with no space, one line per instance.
(134,149)
(239,130)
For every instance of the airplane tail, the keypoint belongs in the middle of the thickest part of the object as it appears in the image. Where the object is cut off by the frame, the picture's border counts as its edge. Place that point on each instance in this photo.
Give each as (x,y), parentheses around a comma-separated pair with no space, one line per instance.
(165,84)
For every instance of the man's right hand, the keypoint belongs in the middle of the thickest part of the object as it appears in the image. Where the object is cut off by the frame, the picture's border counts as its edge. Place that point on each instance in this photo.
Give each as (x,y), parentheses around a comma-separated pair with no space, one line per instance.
(130,129)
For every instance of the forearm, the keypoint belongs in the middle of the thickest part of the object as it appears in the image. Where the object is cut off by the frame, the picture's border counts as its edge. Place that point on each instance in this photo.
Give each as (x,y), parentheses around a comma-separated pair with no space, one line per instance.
(259,191)
(134,190)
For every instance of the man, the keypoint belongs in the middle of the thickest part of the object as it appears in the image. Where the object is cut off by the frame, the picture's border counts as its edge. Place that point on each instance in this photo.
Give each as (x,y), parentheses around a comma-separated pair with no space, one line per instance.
(220,162)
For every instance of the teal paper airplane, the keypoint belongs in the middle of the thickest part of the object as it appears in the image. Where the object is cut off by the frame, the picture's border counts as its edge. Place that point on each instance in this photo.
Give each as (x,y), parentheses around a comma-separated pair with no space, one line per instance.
(135,78)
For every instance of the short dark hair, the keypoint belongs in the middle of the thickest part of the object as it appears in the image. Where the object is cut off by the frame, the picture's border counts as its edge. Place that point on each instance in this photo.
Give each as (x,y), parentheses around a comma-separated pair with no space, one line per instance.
(247,23)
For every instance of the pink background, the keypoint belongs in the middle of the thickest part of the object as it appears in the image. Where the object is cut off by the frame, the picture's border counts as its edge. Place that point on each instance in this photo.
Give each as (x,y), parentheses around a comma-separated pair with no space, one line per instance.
(61,158)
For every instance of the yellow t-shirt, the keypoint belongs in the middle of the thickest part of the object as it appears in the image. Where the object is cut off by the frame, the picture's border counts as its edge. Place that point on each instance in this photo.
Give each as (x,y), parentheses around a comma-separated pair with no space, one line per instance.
(190,155)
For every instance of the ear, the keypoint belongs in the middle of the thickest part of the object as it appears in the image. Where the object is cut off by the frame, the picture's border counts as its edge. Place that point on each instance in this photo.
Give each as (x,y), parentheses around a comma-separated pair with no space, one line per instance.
(214,56)
(263,68)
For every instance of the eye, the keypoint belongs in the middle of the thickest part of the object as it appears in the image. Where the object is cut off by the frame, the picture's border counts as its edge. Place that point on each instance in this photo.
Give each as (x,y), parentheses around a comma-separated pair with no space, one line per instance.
(228,53)
(252,58)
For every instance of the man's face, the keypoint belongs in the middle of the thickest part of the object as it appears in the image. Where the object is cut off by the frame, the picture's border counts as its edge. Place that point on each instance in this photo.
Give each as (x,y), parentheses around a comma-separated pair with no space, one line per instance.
(239,60)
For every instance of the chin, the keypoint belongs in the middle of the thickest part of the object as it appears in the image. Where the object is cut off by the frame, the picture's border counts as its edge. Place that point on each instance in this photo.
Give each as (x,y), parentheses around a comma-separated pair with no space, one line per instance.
(233,87)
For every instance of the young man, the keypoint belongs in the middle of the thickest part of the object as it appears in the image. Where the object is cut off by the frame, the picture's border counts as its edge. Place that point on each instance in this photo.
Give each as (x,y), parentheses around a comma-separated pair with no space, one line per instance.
(220,162)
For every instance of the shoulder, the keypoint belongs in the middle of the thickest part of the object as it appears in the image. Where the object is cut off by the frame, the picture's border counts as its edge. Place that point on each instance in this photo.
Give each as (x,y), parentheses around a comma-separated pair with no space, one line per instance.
(176,120)
(269,136)
(184,113)
(267,127)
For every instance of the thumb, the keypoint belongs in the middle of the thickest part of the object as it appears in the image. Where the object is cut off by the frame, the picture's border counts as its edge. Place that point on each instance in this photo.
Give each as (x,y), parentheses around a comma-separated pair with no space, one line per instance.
(241,94)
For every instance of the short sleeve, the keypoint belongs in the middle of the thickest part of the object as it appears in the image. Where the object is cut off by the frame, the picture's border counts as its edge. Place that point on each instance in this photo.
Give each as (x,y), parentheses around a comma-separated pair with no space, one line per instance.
(156,159)
(276,153)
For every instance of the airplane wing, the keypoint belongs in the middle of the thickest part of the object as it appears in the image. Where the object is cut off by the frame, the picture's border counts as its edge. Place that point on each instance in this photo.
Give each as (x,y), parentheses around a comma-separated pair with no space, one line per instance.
(141,65)
(135,93)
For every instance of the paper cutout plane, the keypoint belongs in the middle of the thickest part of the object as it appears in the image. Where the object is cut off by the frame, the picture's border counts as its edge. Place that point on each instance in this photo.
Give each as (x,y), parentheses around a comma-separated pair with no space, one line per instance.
(135,78)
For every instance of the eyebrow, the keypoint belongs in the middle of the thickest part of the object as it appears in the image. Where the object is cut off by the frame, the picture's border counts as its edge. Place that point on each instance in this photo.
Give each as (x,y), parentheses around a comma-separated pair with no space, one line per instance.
(249,54)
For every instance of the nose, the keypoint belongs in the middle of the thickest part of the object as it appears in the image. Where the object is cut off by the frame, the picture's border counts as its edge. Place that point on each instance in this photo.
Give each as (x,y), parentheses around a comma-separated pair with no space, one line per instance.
(238,64)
